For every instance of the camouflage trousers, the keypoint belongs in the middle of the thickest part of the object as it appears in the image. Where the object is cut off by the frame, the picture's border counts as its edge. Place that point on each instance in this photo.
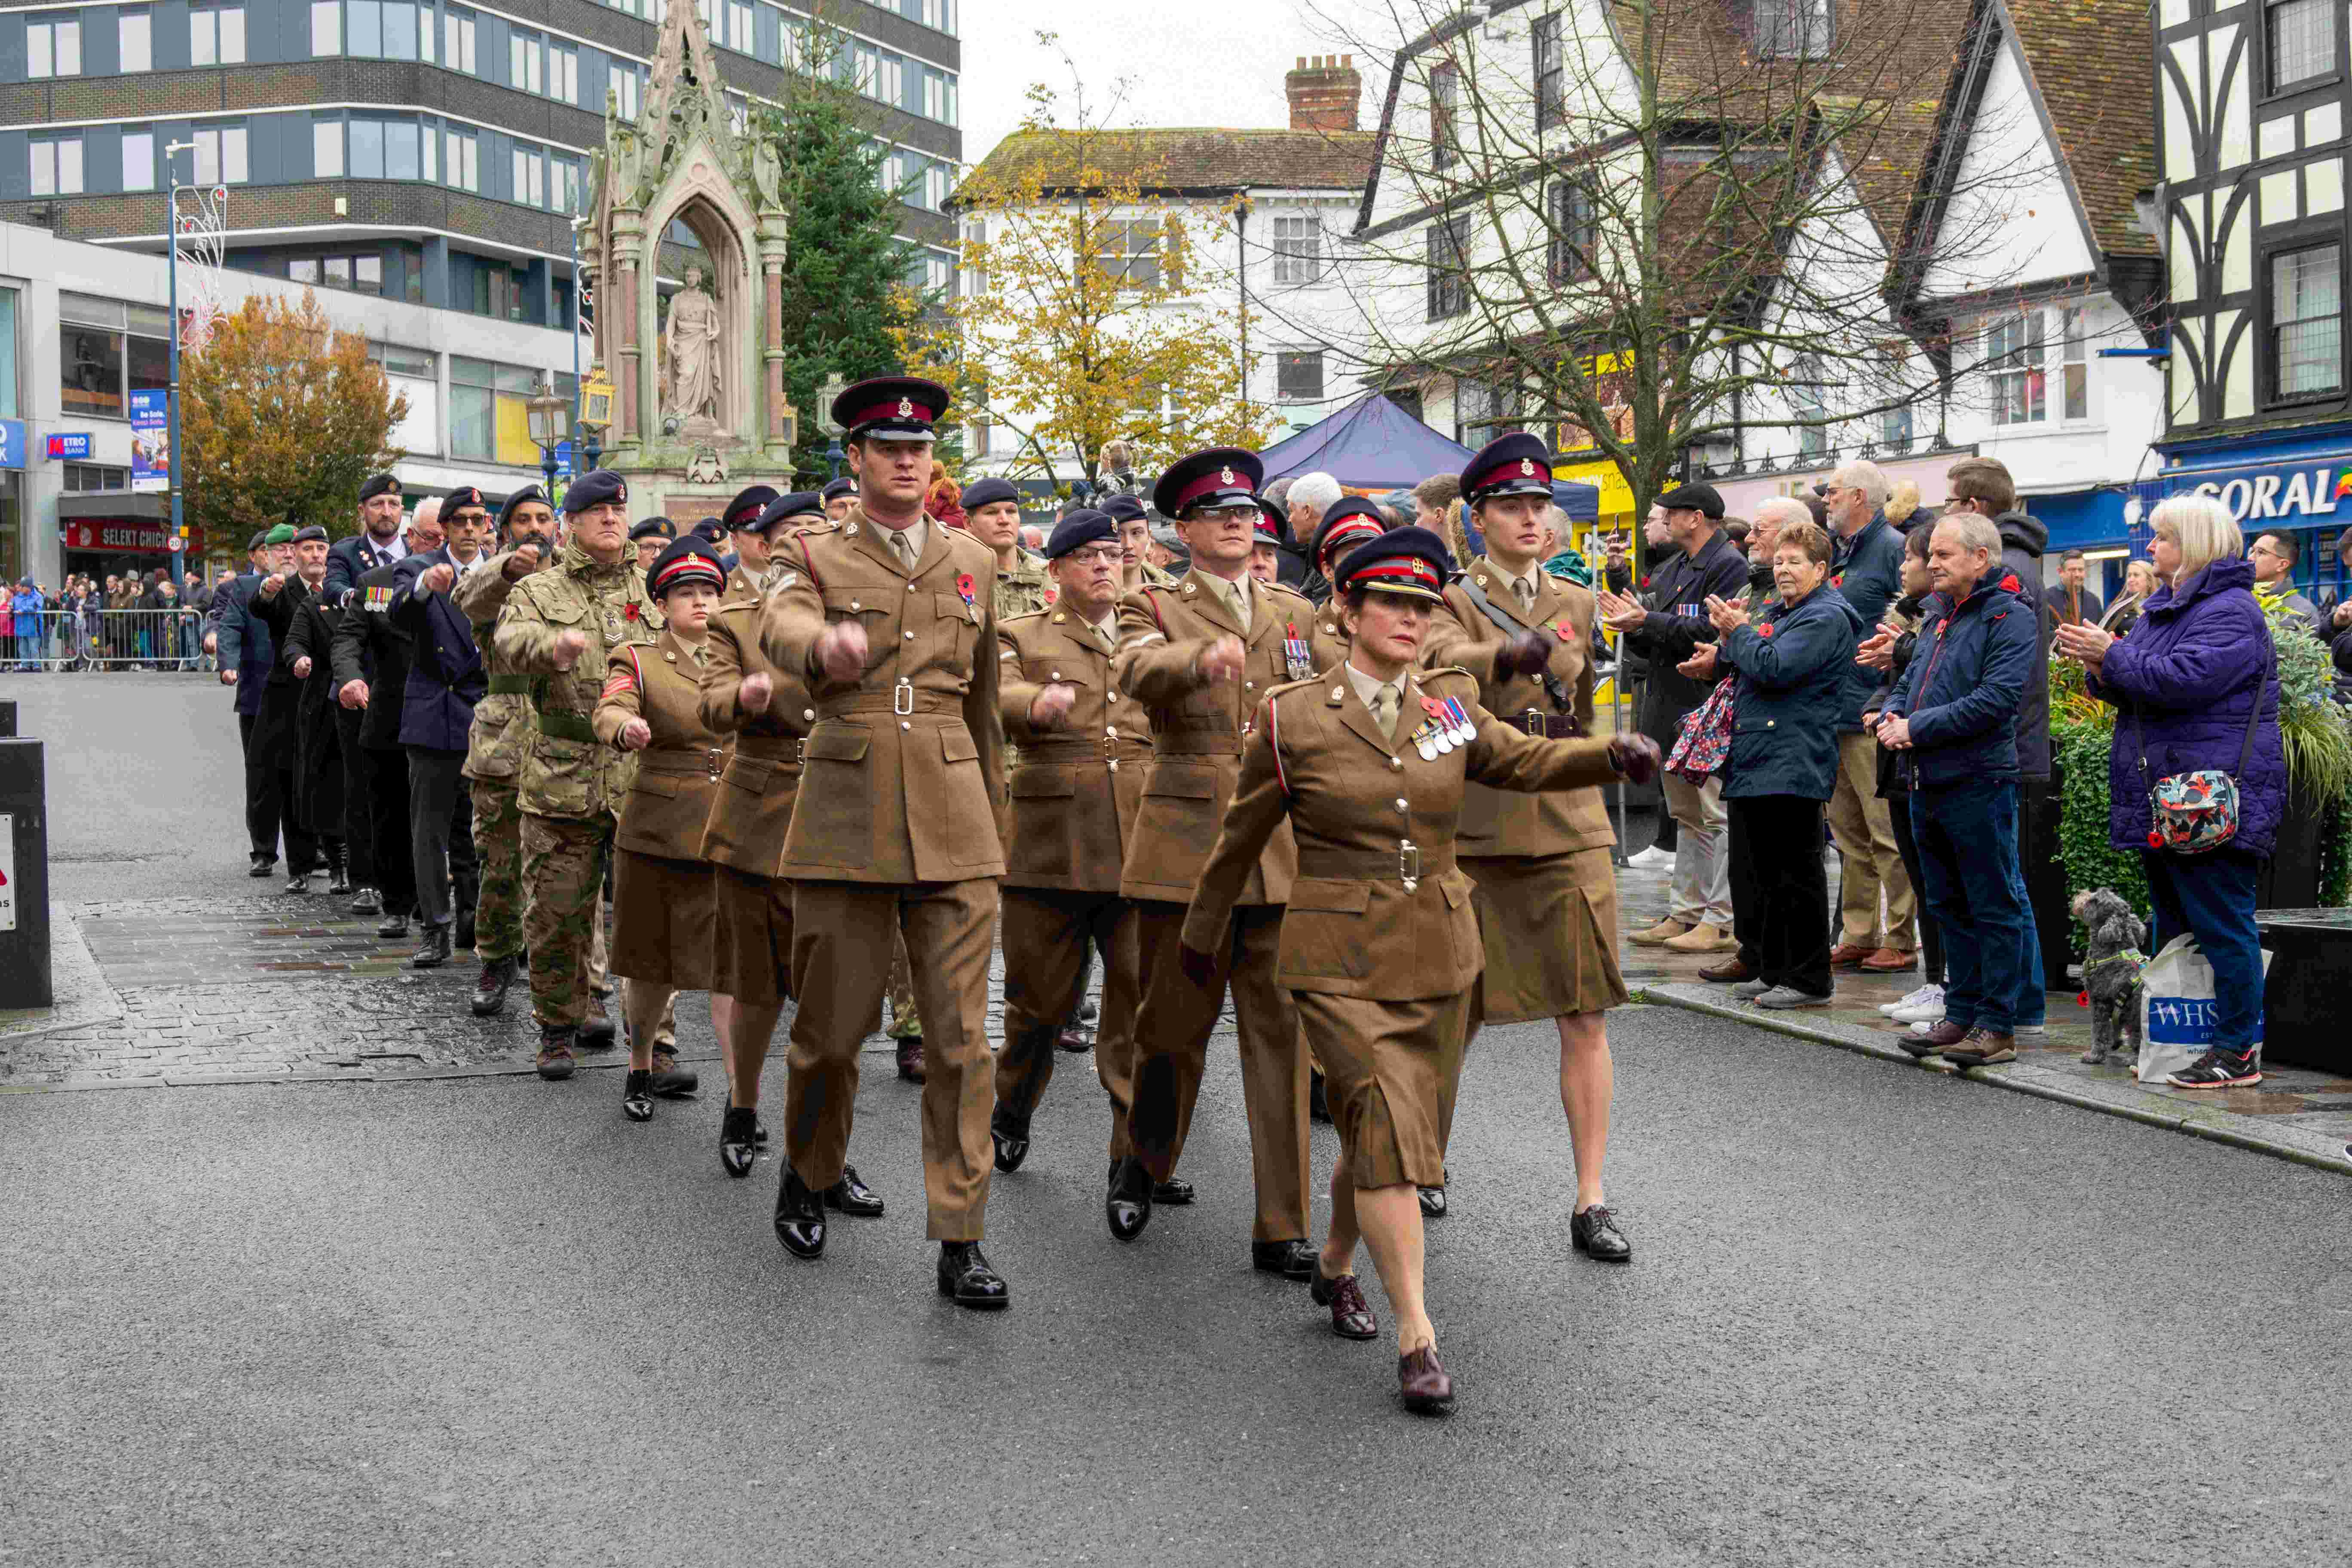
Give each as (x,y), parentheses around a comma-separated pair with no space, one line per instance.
(498,845)
(564,863)
(905,1023)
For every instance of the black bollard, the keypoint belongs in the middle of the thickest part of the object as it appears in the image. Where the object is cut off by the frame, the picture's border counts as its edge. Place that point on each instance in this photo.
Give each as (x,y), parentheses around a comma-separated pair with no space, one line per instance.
(24,977)
(8,718)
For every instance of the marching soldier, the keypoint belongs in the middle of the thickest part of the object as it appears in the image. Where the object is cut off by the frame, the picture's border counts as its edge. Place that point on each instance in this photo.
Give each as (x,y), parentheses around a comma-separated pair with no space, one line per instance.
(1201,656)
(887,616)
(1545,893)
(1077,779)
(992,514)
(1352,523)
(1136,570)
(499,741)
(1369,764)
(279,735)
(372,660)
(839,495)
(305,648)
(750,540)
(663,913)
(651,537)
(768,712)
(561,627)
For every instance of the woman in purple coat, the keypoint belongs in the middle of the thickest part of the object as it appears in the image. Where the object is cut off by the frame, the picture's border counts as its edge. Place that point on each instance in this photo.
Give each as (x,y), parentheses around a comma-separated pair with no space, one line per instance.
(2195,672)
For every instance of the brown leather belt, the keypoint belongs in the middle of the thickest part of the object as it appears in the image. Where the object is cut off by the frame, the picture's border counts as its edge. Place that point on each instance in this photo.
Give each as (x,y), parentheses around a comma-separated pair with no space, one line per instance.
(1108,749)
(902,700)
(1198,743)
(1548,726)
(1407,859)
(770,750)
(703,763)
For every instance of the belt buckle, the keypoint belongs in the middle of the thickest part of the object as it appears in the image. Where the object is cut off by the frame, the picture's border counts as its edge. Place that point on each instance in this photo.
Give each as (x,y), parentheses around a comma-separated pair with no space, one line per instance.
(1409,864)
(1532,720)
(902,697)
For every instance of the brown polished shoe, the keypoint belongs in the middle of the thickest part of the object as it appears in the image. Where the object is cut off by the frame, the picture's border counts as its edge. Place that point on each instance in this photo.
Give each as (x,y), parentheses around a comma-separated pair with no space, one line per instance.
(1849,955)
(1427,1390)
(910,1059)
(1730,972)
(1936,1041)
(1352,1316)
(1983,1048)
(1889,960)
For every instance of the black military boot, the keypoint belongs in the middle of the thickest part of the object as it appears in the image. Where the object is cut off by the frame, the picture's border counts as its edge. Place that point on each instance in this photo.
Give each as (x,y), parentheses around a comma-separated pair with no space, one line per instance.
(738,1145)
(436,950)
(800,1215)
(1128,1205)
(555,1062)
(597,1034)
(491,988)
(966,1278)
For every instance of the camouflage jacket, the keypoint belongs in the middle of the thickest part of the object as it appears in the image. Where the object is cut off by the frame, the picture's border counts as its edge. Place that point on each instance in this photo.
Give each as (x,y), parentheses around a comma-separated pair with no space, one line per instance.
(566,770)
(1024,589)
(502,731)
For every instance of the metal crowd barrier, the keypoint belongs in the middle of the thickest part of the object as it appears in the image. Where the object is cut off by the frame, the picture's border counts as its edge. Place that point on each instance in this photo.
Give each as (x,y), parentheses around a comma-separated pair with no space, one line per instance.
(105,639)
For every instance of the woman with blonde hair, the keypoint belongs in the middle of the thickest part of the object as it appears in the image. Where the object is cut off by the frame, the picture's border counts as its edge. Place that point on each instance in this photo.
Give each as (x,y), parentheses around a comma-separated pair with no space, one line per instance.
(2139,582)
(2197,688)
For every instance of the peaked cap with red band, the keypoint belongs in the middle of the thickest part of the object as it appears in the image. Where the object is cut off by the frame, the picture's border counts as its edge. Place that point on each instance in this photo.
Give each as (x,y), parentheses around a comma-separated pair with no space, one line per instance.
(1518,464)
(1220,476)
(1409,560)
(685,561)
(1350,522)
(743,511)
(894,407)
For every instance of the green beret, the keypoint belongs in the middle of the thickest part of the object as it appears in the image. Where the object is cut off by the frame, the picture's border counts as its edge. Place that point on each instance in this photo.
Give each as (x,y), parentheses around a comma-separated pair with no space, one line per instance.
(282,535)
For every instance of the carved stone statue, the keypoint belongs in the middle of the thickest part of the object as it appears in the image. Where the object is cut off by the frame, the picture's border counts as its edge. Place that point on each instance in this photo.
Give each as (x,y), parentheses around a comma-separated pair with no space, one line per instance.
(693,341)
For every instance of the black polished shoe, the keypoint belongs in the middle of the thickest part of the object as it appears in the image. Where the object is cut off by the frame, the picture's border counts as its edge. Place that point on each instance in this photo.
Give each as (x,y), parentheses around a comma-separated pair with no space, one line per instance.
(1433,1203)
(263,866)
(1595,1234)
(1175,1189)
(466,930)
(394,928)
(760,1132)
(491,987)
(737,1151)
(637,1096)
(910,1058)
(1128,1205)
(596,1031)
(436,950)
(670,1081)
(366,901)
(1351,1315)
(1318,1103)
(853,1197)
(1291,1259)
(966,1278)
(555,1062)
(1011,1138)
(800,1215)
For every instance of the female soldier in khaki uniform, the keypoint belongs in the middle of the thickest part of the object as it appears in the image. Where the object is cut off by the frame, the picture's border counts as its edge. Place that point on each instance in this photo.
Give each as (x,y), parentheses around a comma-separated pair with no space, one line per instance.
(1379,948)
(1546,895)
(663,909)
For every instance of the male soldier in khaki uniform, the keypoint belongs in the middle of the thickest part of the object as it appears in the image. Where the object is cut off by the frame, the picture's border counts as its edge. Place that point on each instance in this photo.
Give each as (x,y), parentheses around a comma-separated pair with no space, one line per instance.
(1200,657)
(1136,570)
(750,541)
(887,616)
(991,513)
(1077,780)
(561,627)
(648,539)
(496,745)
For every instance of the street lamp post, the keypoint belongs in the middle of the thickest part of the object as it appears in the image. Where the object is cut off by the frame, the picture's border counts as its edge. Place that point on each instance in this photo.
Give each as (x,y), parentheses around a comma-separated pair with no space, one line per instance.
(833,388)
(172,152)
(547,415)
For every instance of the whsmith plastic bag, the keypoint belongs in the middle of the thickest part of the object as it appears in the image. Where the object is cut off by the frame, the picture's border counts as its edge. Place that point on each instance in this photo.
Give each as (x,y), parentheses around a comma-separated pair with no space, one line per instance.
(2176,1009)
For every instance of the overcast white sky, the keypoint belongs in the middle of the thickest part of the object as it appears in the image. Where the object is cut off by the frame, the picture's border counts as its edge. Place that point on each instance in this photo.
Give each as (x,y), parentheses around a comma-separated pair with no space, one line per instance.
(1180,62)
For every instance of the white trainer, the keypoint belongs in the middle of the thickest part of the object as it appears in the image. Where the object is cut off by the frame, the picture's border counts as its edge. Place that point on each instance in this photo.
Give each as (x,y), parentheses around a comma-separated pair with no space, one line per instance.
(1921,994)
(1651,859)
(1928,1008)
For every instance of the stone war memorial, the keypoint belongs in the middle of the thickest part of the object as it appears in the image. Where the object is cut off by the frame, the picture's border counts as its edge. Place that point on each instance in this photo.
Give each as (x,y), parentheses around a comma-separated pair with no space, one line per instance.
(688,333)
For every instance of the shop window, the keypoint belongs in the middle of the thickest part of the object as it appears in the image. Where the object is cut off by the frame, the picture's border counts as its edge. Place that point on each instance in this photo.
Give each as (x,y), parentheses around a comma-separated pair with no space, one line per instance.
(2302,38)
(53,44)
(90,366)
(2306,322)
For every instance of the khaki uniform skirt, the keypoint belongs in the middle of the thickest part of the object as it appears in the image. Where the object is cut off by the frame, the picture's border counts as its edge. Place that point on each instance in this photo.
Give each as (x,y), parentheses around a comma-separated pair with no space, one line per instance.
(1550,926)
(754,963)
(664,915)
(1391,1070)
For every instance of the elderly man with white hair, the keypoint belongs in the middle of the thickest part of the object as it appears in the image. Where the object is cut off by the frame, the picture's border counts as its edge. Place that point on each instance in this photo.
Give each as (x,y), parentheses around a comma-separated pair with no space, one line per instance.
(1866,565)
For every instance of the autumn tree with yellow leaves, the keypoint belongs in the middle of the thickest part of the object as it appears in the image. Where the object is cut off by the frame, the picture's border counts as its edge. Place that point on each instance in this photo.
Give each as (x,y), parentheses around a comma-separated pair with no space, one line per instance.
(1082,317)
(282,418)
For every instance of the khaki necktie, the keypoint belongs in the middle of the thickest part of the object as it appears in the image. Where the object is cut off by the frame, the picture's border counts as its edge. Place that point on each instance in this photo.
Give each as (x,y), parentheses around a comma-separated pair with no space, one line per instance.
(1385,702)
(905,548)
(1102,635)
(1526,591)
(1238,594)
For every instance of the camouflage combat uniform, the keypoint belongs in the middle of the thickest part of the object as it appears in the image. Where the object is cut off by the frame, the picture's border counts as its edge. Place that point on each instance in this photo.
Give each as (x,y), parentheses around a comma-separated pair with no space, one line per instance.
(494,753)
(571,786)
(1023,588)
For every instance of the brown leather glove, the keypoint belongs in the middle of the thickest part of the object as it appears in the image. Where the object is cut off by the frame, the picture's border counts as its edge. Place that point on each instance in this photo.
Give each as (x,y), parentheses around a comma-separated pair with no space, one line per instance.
(1636,756)
(1525,653)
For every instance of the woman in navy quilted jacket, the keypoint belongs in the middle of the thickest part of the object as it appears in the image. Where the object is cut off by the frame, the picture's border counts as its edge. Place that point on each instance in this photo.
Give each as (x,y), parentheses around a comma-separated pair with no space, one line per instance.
(2197,667)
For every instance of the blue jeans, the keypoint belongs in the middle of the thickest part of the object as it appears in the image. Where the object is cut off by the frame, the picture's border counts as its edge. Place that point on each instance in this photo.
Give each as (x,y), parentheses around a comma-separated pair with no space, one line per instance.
(2212,897)
(1967,846)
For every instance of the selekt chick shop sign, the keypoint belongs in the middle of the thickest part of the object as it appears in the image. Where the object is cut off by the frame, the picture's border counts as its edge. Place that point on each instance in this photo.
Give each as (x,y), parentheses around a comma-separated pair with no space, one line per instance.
(2307,494)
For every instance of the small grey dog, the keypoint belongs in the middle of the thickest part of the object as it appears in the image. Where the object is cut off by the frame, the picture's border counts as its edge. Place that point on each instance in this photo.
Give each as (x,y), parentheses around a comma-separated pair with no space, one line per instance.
(2111,971)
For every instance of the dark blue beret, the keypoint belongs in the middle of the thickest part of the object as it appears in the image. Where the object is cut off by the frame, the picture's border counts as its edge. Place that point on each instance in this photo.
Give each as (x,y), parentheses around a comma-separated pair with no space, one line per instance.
(463,497)
(788,505)
(1076,530)
(711,529)
(843,486)
(1124,509)
(594,488)
(307,535)
(653,528)
(988,492)
(378,485)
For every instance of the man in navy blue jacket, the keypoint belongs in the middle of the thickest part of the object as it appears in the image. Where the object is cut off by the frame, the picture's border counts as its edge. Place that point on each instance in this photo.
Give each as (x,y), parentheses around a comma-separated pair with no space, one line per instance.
(1953,717)
(377,543)
(248,654)
(1866,566)
(446,679)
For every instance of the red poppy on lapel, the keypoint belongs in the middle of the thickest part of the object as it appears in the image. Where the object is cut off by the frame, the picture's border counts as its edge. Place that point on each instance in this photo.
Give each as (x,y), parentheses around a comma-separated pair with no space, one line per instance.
(1764,630)
(965,585)
(630,611)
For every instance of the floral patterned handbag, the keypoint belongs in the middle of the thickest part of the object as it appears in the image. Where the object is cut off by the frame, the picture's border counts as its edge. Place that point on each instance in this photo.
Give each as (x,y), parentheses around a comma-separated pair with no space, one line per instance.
(1704,747)
(2195,813)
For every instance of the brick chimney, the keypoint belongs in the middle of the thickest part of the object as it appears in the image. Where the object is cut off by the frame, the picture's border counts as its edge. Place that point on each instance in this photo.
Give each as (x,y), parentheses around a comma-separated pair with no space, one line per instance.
(1324,93)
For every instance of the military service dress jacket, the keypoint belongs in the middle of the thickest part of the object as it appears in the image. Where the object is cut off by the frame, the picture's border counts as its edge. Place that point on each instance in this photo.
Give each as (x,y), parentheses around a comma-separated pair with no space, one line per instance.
(751,813)
(1075,789)
(1379,909)
(566,770)
(1497,822)
(905,774)
(678,770)
(1198,731)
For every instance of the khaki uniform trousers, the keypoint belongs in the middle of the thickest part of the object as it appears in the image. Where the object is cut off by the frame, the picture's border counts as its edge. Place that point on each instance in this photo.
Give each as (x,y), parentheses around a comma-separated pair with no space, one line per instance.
(563,864)
(1869,859)
(1171,1051)
(1046,933)
(840,932)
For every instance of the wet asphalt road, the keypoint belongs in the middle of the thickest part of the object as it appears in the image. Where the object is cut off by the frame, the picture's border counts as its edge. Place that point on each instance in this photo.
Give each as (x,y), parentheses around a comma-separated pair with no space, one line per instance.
(1877,1316)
